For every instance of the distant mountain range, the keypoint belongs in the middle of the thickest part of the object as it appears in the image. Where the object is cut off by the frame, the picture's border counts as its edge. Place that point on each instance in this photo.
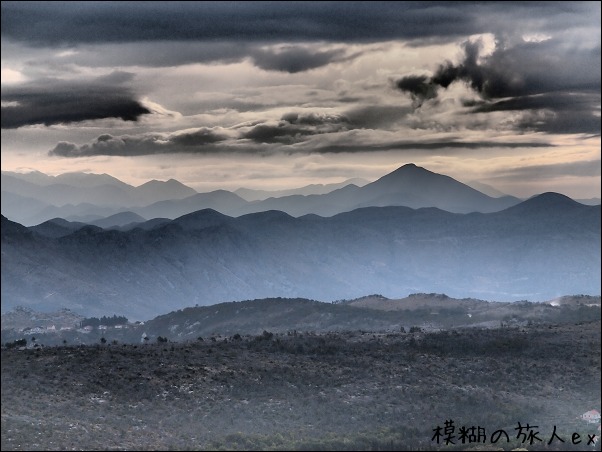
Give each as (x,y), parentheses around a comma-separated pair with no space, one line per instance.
(313,189)
(34,198)
(538,249)
(87,197)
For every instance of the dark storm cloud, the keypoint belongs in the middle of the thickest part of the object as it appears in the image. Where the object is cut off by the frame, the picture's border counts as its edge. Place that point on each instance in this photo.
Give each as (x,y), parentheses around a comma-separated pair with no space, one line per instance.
(52,101)
(291,58)
(196,138)
(295,132)
(486,78)
(58,23)
(557,87)
(62,23)
(161,34)
(524,69)
(376,116)
(561,122)
(159,54)
(263,139)
(202,141)
(554,112)
(420,88)
(295,127)
(294,59)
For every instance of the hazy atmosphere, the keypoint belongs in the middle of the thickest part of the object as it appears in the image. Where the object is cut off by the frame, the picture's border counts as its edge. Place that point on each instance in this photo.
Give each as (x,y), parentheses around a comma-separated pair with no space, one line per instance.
(300,226)
(275,95)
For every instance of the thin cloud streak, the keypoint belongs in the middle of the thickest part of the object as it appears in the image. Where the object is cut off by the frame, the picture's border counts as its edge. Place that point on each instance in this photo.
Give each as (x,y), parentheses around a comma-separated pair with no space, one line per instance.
(589,168)
(260,140)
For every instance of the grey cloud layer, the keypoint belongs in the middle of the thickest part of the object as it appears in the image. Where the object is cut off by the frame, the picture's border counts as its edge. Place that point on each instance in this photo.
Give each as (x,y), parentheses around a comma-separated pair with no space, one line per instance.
(59,23)
(52,101)
(295,59)
(523,69)
(291,58)
(202,140)
(579,169)
(552,112)
(292,135)
(251,138)
(142,21)
(294,127)
(559,87)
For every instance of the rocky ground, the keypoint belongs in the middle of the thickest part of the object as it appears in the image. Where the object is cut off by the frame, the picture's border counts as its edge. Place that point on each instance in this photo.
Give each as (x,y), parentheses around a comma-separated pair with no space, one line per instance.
(307,391)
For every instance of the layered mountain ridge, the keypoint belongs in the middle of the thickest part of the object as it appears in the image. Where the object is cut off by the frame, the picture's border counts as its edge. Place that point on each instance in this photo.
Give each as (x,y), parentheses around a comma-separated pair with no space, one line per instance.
(32,199)
(543,248)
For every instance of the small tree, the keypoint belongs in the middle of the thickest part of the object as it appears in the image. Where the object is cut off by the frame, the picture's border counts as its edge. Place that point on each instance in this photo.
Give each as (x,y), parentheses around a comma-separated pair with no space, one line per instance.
(16,343)
(103,340)
(267,335)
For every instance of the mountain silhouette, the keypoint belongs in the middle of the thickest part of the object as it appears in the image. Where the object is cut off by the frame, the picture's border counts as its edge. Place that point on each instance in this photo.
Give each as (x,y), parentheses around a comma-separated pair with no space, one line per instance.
(57,227)
(409,185)
(154,191)
(119,219)
(414,186)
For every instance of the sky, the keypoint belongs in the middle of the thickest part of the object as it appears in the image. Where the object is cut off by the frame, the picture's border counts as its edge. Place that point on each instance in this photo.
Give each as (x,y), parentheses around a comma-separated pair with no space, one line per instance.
(274,95)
